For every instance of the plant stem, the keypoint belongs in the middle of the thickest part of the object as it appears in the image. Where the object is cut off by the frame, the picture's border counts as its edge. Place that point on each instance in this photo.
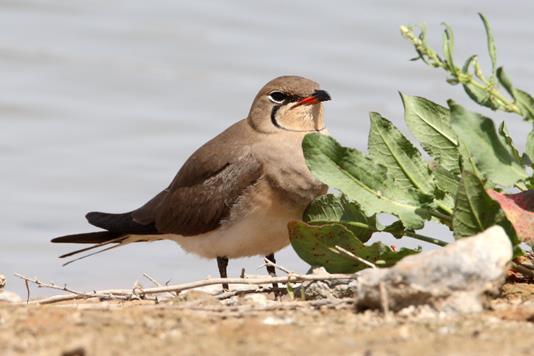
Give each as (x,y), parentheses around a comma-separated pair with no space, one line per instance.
(523,269)
(465,78)
(441,216)
(521,186)
(444,208)
(425,238)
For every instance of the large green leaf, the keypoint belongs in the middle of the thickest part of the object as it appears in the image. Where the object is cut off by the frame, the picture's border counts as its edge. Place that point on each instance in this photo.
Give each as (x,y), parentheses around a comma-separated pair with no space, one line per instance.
(363,180)
(389,147)
(430,124)
(475,211)
(445,180)
(316,245)
(329,209)
(447,183)
(485,147)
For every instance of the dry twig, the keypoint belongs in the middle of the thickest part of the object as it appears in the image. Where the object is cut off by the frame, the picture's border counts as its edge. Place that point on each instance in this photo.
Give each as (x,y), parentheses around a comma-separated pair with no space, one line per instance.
(353,256)
(268,262)
(158,284)
(128,294)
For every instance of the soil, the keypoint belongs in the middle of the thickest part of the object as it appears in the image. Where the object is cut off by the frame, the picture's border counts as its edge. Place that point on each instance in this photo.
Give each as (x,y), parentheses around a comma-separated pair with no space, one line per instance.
(144,328)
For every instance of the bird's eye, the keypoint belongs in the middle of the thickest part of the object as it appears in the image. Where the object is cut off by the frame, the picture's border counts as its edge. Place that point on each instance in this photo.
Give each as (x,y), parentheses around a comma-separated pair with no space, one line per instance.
(277,97)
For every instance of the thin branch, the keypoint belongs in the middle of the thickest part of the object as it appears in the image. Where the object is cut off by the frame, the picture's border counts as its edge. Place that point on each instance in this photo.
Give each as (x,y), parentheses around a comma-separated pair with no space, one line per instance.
(27,291)
(424,238)
(384,299)
(268,262)
(353,256)
(73,293)
(158,284)
(126,294)
(525,270)
(441,216)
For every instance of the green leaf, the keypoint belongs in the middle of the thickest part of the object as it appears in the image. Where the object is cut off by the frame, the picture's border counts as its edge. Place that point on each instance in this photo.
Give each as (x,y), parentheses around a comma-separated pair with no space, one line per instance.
(396,229)
(488,150)
(468,62)
(328,209)
(491,45)
(448,48)
(505,81)
(447,183)
(529,149)
(430,124)
(503,131)
(475,211)
(362,180)
(445,180)
(316,246)
(480,96)
(389,147)
(523,100)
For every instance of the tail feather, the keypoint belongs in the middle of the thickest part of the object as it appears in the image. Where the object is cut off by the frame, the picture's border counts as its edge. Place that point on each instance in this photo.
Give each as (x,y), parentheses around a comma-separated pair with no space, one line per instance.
(87,255)
(119,228)
(88,238)
(123,223)
(116,240)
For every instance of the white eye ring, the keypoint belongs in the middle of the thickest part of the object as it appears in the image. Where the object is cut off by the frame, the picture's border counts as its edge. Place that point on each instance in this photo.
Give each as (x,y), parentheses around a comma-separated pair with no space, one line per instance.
(277,97)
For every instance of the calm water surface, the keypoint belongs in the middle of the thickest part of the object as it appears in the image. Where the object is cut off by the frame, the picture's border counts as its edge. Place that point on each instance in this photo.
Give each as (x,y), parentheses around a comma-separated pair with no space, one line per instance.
(102,101)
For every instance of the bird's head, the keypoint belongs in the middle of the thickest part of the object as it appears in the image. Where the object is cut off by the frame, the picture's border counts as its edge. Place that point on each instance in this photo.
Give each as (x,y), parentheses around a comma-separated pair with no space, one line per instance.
(289,103)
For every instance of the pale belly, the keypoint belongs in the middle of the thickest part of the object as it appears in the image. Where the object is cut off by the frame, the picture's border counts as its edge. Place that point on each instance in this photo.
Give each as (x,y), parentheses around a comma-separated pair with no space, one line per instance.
(257,225)
(256,234)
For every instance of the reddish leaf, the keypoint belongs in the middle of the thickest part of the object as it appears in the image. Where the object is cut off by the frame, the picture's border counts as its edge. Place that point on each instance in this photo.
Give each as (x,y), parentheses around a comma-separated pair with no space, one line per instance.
(519,209)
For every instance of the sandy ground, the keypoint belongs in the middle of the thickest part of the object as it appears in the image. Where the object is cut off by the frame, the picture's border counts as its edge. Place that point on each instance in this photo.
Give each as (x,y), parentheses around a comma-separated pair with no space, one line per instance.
(144,328)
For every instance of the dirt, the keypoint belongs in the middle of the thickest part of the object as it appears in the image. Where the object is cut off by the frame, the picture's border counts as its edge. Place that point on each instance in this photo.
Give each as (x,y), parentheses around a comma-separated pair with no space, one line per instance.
(144,328)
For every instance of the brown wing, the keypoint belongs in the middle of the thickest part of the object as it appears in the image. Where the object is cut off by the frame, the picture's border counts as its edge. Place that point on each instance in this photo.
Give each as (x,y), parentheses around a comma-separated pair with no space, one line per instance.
(199,208)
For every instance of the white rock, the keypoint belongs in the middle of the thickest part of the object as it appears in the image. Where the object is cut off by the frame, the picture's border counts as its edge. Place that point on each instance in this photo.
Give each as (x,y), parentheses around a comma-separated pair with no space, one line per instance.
(451,279)
(9,297)
(275,320)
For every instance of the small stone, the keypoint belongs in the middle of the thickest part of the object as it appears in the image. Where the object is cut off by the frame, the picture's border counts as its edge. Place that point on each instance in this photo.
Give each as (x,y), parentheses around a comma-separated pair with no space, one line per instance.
(314,290)
(2,281)
(451,279)
(275,320)
(326,289)
(78,351)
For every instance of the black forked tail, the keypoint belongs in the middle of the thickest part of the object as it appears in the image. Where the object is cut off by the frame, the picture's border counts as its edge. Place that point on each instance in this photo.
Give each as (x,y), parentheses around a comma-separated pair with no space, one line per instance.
(120,223)
(88,238)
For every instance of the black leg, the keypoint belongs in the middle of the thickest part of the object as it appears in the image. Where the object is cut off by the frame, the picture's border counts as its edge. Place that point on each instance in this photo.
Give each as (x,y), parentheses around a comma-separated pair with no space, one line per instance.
(272,272)
(222,263)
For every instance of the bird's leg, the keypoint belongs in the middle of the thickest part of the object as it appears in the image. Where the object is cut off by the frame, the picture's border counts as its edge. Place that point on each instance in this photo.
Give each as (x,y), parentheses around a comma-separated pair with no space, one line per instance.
(222,263)
(272,272)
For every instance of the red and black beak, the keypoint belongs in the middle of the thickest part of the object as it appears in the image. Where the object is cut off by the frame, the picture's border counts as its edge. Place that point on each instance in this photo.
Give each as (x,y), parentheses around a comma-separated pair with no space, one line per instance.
(317,97)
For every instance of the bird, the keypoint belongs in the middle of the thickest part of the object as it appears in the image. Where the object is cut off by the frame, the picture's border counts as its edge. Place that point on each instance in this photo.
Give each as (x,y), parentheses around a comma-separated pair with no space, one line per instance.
(234,196)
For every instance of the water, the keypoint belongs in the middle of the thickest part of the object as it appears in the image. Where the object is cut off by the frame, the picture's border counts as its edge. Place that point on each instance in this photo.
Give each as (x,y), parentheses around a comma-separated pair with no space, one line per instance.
(102,101)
